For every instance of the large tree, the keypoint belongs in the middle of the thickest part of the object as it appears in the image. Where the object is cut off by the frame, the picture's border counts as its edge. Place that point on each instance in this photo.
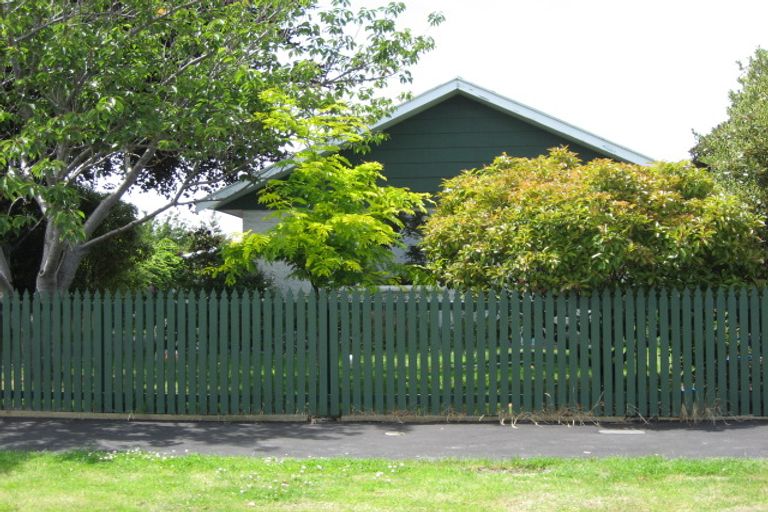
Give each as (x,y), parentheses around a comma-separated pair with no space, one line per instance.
(553,223)
(174,97)
(737,149)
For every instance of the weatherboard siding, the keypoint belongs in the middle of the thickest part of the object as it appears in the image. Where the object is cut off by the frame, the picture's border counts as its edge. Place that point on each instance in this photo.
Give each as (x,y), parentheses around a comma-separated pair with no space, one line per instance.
(457,134)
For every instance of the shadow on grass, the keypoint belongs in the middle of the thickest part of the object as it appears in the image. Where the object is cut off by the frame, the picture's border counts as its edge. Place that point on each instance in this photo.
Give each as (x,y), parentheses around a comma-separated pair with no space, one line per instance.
(10,460)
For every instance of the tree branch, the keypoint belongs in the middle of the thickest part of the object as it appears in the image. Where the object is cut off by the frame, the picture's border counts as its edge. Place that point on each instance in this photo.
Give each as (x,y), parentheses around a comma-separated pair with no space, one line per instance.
(101,211)
(126,227)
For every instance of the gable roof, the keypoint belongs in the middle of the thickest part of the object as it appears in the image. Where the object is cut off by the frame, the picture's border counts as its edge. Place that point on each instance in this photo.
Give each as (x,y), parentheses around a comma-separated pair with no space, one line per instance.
(425,101)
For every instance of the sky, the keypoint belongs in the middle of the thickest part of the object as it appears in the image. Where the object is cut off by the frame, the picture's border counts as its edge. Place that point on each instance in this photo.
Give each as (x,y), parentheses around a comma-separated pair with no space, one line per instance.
(645,75)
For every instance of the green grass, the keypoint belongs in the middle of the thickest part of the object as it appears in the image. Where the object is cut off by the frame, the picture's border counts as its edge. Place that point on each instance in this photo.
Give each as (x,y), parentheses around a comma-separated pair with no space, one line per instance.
(146,481)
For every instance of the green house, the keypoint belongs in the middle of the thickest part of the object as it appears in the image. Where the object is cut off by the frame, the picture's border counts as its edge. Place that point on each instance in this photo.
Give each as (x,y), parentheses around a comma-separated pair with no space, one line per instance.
(436,135)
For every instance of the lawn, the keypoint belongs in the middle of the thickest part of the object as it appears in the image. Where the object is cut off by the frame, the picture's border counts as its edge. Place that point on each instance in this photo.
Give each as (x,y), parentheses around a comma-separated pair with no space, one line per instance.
(148,481)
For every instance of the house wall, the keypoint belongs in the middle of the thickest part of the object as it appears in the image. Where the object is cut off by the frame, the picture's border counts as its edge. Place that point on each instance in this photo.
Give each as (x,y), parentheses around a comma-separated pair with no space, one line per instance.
(454,135)
(256,221)
(459,133)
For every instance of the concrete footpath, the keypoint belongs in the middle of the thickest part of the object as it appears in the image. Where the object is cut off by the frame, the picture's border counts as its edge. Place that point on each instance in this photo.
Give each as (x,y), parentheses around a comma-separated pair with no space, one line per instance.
(723,439)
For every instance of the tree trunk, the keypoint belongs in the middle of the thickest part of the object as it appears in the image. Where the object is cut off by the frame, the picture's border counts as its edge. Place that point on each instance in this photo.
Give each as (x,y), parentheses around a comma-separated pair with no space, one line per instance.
(57,274)
(6,278)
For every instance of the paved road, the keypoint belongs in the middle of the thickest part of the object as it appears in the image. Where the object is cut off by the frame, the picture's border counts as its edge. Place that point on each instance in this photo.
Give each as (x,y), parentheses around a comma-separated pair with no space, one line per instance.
(734,439)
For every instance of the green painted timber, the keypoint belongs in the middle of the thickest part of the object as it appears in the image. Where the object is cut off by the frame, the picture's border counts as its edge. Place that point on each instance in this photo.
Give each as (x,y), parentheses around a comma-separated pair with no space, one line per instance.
(652,353)
(607,347)
(538,342)
(456,134)
(379,405)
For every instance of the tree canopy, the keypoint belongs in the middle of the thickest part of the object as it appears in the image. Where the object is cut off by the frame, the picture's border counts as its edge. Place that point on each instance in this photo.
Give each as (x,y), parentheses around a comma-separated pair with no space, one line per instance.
(336,224)
(175,256)
(737,149)
(553,223)
(171,97)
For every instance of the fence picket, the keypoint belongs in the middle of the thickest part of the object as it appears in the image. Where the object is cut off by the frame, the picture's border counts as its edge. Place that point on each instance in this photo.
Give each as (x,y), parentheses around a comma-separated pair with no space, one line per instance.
(45,352)
(55,387)
(268,342)
(67,346)
(722,353)
(573,352)
(607,342)
(698,349)
(664,349)
(378,345)
(631,347)
(733,356)
(246,333)
(481,372)
(5,350)
(562,353)
(193,353)
(445,343)
(764,343)
(642,354)
(36,375)
(653,355)
(686,317)
(389,345)
(88,349)
(515,346)
(539,340)
(434,351)
(470,370)
(345,355)
(234,346)
(278,354)
(108,344)
(676,358)
(357,356)
(333,354)
(744,356)
(18,346)
(526,343)
(584,404)
(595,369)
(756,355)
(333,348)
(257,352)
(203,302)
(127,364)
(458,351)
(493,351)
(367,356)
(709,351)
(504,336)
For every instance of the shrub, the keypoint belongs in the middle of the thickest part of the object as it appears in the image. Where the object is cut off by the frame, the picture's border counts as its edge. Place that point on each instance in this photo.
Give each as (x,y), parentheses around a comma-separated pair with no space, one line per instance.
(554,223)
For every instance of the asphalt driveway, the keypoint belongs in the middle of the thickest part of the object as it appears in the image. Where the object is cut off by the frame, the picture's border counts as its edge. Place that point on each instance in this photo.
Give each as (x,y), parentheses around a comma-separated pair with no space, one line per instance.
(731,439)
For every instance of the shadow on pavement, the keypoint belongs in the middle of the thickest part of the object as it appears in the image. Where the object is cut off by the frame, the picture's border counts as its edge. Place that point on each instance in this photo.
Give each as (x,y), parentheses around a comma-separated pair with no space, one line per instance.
(62,435)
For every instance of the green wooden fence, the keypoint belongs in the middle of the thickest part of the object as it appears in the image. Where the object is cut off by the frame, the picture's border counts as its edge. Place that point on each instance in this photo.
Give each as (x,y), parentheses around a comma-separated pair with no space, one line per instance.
(429,352)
